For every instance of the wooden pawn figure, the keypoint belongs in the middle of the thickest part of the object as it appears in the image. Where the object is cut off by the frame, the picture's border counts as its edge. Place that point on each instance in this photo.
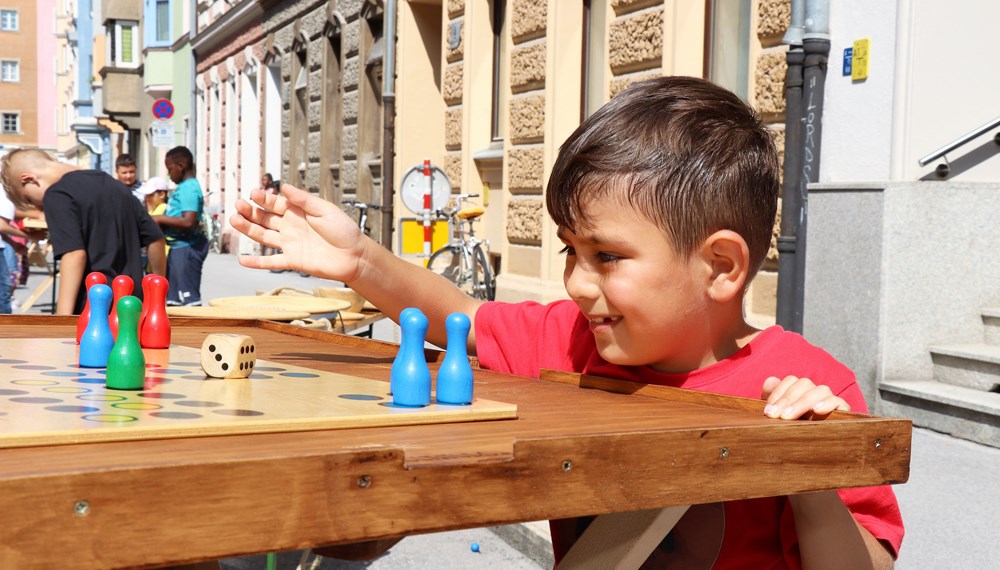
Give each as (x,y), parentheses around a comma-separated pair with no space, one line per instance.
(121,286)
(92,279)
(454,377)
(126,363)
(96,342)
(410,380)
(154,327)
(145,300)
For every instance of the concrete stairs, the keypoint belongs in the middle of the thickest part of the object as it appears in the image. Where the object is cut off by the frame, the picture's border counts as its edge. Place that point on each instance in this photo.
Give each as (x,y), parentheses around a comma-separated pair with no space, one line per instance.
(963,397)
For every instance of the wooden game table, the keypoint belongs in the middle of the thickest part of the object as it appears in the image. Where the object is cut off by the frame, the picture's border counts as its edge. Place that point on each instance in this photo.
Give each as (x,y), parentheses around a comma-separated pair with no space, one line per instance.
(578,446)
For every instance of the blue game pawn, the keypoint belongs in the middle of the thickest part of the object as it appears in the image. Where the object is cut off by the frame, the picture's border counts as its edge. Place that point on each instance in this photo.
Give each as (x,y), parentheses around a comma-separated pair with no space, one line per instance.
(454,379)
(410,381)
(97,340)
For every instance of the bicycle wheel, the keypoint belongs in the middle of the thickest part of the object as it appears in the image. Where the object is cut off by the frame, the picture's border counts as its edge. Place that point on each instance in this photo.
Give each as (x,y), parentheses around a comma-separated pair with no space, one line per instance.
(483,280)
(216,239)
(447,262)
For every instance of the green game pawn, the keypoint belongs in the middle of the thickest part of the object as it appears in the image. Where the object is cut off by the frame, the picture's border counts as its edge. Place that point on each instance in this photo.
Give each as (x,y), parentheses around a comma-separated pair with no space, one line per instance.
(126,364)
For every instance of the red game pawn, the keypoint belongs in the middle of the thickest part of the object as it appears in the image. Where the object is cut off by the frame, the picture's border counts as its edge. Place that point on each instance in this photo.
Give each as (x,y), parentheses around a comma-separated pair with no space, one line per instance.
(155,329)
(121,286)
(145,299)
(84,318)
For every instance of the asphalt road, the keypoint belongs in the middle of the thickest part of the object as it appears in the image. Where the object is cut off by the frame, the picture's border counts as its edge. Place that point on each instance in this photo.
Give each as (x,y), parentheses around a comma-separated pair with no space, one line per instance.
(950,505)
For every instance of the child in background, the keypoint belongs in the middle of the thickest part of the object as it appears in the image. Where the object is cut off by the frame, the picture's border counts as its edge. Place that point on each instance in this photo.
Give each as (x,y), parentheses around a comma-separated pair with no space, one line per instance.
(154,195)
(182,226)
(665,201)
(94,222)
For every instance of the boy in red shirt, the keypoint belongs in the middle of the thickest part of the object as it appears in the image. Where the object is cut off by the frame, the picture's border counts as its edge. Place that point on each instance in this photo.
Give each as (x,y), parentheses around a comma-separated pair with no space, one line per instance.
(665,200)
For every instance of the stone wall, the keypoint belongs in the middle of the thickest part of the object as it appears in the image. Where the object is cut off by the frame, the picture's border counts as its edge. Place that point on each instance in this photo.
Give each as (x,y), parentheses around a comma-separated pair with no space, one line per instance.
(526,129)
(308,26)
(768,98)
(453,93)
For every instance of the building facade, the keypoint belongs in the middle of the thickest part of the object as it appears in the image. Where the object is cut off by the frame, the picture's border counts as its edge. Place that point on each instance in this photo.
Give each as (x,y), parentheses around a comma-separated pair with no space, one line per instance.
(167,75)
(489,90)
(19,74)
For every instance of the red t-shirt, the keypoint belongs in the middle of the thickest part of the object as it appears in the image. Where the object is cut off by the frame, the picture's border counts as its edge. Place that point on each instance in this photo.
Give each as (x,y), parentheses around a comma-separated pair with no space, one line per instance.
(759,533)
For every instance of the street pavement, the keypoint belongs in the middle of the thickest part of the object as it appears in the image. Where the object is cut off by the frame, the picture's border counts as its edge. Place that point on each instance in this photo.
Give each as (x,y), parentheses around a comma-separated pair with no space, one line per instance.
(950,503)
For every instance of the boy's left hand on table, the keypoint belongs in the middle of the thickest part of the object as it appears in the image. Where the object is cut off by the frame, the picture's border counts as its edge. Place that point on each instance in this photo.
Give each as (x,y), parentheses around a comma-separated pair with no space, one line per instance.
(793,397)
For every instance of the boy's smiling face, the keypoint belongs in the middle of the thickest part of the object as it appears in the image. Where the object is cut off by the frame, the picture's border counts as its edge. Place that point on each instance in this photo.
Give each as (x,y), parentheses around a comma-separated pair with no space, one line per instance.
(647,304)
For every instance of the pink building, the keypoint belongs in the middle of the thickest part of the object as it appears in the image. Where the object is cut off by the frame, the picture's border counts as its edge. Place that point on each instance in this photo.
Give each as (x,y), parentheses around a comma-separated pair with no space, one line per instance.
(46,60)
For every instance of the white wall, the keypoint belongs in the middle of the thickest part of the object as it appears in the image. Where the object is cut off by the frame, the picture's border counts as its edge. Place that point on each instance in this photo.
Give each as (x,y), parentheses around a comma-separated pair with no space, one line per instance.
(931,80)
(952,83)
(857,118)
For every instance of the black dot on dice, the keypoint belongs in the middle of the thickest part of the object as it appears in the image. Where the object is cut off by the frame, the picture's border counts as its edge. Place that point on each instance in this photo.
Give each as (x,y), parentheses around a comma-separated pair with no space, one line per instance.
(250,364)
(252,348)
(218,357)
(211,348)
(225,366)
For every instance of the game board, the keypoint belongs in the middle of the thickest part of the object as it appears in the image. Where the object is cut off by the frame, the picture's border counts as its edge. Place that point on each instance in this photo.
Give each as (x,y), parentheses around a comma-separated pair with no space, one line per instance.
(54,401)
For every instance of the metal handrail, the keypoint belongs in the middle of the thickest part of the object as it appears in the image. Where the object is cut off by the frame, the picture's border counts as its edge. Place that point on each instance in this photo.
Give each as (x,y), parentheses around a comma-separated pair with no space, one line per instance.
(958,142)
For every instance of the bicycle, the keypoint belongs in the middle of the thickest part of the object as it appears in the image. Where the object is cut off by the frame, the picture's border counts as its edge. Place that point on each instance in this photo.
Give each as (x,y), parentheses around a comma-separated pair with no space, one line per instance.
(465,261)
(211,224)
(362,208)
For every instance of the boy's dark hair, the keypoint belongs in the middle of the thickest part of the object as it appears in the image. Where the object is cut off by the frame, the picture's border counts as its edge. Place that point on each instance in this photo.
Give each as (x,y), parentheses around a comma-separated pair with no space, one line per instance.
(180,154)
(684,152)
(124,159)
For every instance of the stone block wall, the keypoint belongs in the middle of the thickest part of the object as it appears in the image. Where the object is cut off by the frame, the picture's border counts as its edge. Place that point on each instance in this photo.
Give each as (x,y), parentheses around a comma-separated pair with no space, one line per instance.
(768,98)
(526,129)
(306,24)
(453,93)
(635,42)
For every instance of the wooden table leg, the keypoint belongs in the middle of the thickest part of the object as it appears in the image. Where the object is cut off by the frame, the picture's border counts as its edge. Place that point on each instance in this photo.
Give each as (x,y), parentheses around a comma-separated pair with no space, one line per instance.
(38,292)
(622,541)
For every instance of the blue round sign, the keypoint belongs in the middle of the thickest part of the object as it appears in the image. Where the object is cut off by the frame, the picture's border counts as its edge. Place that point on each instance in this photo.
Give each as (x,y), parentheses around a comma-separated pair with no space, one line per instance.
(163,109)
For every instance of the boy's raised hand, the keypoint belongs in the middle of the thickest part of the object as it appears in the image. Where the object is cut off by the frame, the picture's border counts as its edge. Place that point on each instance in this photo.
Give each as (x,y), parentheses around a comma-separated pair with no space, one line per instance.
(793,397)
(313,235)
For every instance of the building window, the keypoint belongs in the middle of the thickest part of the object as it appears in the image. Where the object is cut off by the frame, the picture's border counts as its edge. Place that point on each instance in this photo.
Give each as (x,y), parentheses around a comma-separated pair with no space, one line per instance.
(729,45)
(332,127)
(593,79)
(498,22)
(299,128)
(162,20)
(122,48)
(10,71)
(8,20)
(11,123)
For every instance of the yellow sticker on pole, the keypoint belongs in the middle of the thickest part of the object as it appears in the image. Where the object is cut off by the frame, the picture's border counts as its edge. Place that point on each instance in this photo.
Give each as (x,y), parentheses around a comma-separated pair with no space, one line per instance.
(859,59)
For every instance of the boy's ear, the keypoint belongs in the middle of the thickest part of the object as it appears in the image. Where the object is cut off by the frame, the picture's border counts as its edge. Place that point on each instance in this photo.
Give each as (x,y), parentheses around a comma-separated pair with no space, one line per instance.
(728,257)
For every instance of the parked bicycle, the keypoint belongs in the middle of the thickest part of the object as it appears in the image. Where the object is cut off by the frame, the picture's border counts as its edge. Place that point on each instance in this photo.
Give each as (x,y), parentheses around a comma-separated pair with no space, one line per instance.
(465,261)
(212,224)
(362,209)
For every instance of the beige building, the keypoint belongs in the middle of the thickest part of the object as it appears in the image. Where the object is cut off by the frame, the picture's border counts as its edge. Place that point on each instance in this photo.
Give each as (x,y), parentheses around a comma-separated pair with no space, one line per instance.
(18,74)
(488,90)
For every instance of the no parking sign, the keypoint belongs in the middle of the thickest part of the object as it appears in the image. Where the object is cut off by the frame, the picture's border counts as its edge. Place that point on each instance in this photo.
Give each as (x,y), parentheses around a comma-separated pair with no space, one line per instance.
(163,109)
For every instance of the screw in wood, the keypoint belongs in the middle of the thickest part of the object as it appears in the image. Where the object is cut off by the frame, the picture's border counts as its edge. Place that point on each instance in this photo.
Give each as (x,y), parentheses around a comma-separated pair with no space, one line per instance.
(724,452)
(81,508)
(567,465)
(364,481)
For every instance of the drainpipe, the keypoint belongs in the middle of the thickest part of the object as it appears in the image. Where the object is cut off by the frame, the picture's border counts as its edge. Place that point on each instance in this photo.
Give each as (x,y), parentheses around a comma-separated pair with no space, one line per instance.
(805,156)
(389,121)
(791,203)
(816,45)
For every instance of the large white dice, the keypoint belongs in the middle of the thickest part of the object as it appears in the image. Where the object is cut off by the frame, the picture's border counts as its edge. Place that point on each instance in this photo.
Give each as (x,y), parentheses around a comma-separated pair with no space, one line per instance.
(228,355)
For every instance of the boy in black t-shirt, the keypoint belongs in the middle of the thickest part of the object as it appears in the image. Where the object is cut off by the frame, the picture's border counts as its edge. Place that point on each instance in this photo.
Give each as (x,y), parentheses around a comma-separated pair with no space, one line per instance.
(95,224)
